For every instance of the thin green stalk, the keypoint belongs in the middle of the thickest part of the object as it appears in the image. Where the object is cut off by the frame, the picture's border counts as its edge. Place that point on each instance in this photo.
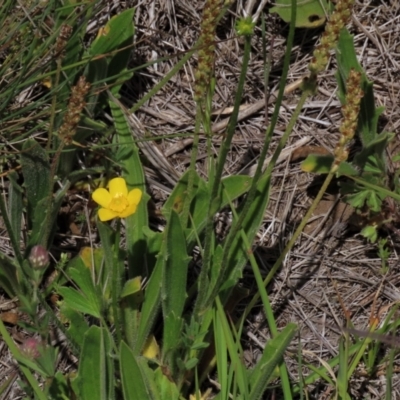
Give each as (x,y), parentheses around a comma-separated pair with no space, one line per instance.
(49,203)
(202,281)
(333,362)
(268,312)
(354,363)
(252,191)
(278,150)
(192,167)
(18,356)
(341,380)
(379,189)
(116,283)
(215,190)
(285,382)
(389,374)
(53,106)
(267,60)
(226,144)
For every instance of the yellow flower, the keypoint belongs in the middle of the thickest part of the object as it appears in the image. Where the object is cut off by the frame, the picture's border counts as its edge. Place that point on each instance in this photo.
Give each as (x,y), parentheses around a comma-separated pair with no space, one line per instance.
(116,202)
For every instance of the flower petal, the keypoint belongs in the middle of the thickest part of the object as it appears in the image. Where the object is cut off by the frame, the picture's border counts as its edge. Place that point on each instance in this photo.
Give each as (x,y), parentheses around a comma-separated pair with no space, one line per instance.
(102,197)
(128,211)
(118,186)
(105,214)
(134,196)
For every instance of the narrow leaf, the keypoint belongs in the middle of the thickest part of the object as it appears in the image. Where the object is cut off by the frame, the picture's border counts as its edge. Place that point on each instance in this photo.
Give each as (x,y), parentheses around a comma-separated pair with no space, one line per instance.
(151,306)
(271,358)
(133,381)
(92,367)
(132,172)
(114,35)
(176,263)
(15,205)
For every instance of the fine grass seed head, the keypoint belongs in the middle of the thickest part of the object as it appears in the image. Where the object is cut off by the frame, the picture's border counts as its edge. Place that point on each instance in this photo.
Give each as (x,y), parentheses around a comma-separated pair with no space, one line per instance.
(350,112)
(205,66)
(73,114)
(337,21)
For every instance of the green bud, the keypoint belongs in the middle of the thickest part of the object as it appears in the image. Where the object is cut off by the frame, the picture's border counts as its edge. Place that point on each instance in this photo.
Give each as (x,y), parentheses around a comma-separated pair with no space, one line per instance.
(245,26)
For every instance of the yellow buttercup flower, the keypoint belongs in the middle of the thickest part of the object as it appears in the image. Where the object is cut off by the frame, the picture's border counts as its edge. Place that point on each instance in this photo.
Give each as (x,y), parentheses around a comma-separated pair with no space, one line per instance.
(116,202)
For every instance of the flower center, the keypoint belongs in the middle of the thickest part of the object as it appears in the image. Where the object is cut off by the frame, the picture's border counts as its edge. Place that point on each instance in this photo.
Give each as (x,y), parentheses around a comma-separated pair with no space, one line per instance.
(118,203)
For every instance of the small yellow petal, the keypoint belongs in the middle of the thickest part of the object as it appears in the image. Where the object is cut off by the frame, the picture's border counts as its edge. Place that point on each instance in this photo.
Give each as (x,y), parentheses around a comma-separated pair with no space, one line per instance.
(134,196)
(131,209)
(105,214)
(102,197)
(117,186)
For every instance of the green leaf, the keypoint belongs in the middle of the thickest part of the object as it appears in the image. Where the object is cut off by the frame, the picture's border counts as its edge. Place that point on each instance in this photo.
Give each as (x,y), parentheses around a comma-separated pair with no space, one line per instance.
(47,360)
(310,13)
(191,363)
(167,389)
(177,197)
(31,364)
(374,202)
(235,186)
(75,323)
(15,205)
(43,230)
(36,172)
(88,300)
(346,168)
(132,286)
(356,200)
(107,236)
(132,172)
(60,388)
(173,290)
(13,235)
(216,264)
(227,345)
(151,305)
(237,256)
(176,263)
(116,37)
(372,157)
(118,30)
(97,71)
(318,164)
(154,243)
(133,379)
(8,276)
(370,232)
(78,302)
(272,356)
(172,331)
(93,365)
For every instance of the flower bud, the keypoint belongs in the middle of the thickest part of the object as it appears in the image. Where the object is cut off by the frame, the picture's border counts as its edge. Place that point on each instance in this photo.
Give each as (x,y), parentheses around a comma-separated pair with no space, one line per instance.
(39,257)
(30,348)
